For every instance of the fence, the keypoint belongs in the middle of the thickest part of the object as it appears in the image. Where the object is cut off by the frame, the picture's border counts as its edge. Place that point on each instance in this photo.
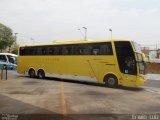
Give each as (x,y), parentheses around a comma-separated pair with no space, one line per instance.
(153,67)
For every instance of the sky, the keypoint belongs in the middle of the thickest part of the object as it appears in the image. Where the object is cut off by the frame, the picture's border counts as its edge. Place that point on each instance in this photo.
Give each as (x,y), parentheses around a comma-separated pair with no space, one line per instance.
(46,21)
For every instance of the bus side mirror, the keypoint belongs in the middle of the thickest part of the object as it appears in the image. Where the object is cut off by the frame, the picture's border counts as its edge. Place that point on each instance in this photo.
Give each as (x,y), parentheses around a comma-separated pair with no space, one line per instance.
(143,57)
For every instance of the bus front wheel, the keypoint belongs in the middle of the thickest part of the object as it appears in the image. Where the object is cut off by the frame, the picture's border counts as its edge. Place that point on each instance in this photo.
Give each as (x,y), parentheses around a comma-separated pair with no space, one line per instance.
(111,81)
(41,74)
(31,73)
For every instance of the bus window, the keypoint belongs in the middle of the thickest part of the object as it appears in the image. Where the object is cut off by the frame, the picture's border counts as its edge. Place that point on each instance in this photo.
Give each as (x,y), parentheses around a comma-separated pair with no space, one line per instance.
(106,49)
(77,49)
(95,49)
(64,50)
(28,51)
(32,51)
(22,51)
(55,50)
(41,51)
(44,50)
(87,49)
(67,50)
(102,49)
(51,51)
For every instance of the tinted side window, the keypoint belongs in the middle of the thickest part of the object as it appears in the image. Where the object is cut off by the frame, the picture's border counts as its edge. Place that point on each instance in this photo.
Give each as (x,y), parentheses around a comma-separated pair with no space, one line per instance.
(78,49)
(44,50)
(32,51)
(87,49)
(54,50)
(93,49)
(51,50)
(28,51)
(106,49)
(39,51)
(102,49)
(22,51)
(82,49)
(57,50)
(74,49)
(3,58)
(67,50)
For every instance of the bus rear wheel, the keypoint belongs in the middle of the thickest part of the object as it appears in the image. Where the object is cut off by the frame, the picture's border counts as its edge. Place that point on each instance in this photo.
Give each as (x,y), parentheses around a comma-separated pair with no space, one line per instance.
(41,74)
(111,81)
(31,73)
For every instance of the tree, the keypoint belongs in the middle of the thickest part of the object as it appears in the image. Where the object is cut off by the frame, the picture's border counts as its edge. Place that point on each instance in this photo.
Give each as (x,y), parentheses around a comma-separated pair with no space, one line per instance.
(6,37)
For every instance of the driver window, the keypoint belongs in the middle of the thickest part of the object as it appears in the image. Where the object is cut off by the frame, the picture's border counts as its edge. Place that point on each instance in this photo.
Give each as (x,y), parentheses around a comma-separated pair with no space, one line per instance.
(3,58)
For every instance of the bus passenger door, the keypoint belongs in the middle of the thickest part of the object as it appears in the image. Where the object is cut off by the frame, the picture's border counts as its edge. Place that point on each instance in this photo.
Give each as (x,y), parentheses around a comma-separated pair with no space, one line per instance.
(127,62)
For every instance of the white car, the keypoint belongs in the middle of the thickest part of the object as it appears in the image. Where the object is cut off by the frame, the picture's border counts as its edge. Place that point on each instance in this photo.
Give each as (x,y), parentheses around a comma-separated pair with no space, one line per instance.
(8,59)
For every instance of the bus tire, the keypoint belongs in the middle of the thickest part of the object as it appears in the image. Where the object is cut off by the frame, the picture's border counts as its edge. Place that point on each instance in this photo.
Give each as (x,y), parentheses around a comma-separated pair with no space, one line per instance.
(111,81)
(31,73)
(41,74)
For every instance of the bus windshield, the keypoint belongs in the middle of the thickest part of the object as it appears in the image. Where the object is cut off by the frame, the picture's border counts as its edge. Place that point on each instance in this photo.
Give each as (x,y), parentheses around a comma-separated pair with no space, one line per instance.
(137,47)
(139,58)
(140,63)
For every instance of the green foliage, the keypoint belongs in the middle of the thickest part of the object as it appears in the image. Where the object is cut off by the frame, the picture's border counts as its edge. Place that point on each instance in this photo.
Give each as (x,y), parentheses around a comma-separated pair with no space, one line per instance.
(15,51)
(6,37)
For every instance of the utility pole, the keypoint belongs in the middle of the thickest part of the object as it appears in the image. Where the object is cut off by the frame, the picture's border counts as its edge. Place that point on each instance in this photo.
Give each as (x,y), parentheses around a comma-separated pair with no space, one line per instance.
(85,32)
(111,32)
(15,37)
(15,42)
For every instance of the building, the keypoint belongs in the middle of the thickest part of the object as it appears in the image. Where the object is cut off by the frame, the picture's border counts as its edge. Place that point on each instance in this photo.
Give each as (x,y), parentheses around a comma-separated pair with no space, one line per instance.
(154,54)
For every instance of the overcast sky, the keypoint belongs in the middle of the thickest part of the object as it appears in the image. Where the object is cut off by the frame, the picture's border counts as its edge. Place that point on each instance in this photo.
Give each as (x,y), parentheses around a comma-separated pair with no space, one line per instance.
(43,21)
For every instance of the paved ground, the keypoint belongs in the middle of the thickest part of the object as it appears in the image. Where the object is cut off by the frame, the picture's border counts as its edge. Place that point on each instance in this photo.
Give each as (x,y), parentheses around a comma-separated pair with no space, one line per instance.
(72,100)
(153,76)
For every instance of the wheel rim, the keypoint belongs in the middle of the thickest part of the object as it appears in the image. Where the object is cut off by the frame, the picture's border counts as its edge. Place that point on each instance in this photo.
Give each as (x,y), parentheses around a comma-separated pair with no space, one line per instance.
(111,81)
(32,73)
(41,75)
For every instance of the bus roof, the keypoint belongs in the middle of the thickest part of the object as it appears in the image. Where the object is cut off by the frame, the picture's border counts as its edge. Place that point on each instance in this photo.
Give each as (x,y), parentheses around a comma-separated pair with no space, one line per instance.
(75,42)
(8,54)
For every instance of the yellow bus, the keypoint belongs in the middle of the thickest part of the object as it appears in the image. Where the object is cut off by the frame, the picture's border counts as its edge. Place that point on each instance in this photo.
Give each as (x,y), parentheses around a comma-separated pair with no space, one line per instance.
(112,62)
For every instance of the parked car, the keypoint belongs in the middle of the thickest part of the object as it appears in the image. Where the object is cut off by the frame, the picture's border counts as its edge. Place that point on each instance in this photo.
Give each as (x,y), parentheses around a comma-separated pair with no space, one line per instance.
(8,59)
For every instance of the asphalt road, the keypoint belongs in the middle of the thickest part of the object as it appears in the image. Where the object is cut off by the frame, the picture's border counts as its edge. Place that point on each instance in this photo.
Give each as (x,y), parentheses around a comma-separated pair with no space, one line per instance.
(152,83)
(76,100)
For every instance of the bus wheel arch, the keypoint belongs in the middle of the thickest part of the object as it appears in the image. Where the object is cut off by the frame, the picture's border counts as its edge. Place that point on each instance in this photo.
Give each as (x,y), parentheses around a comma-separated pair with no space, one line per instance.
(41,74)
(111,80)
(31,73)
